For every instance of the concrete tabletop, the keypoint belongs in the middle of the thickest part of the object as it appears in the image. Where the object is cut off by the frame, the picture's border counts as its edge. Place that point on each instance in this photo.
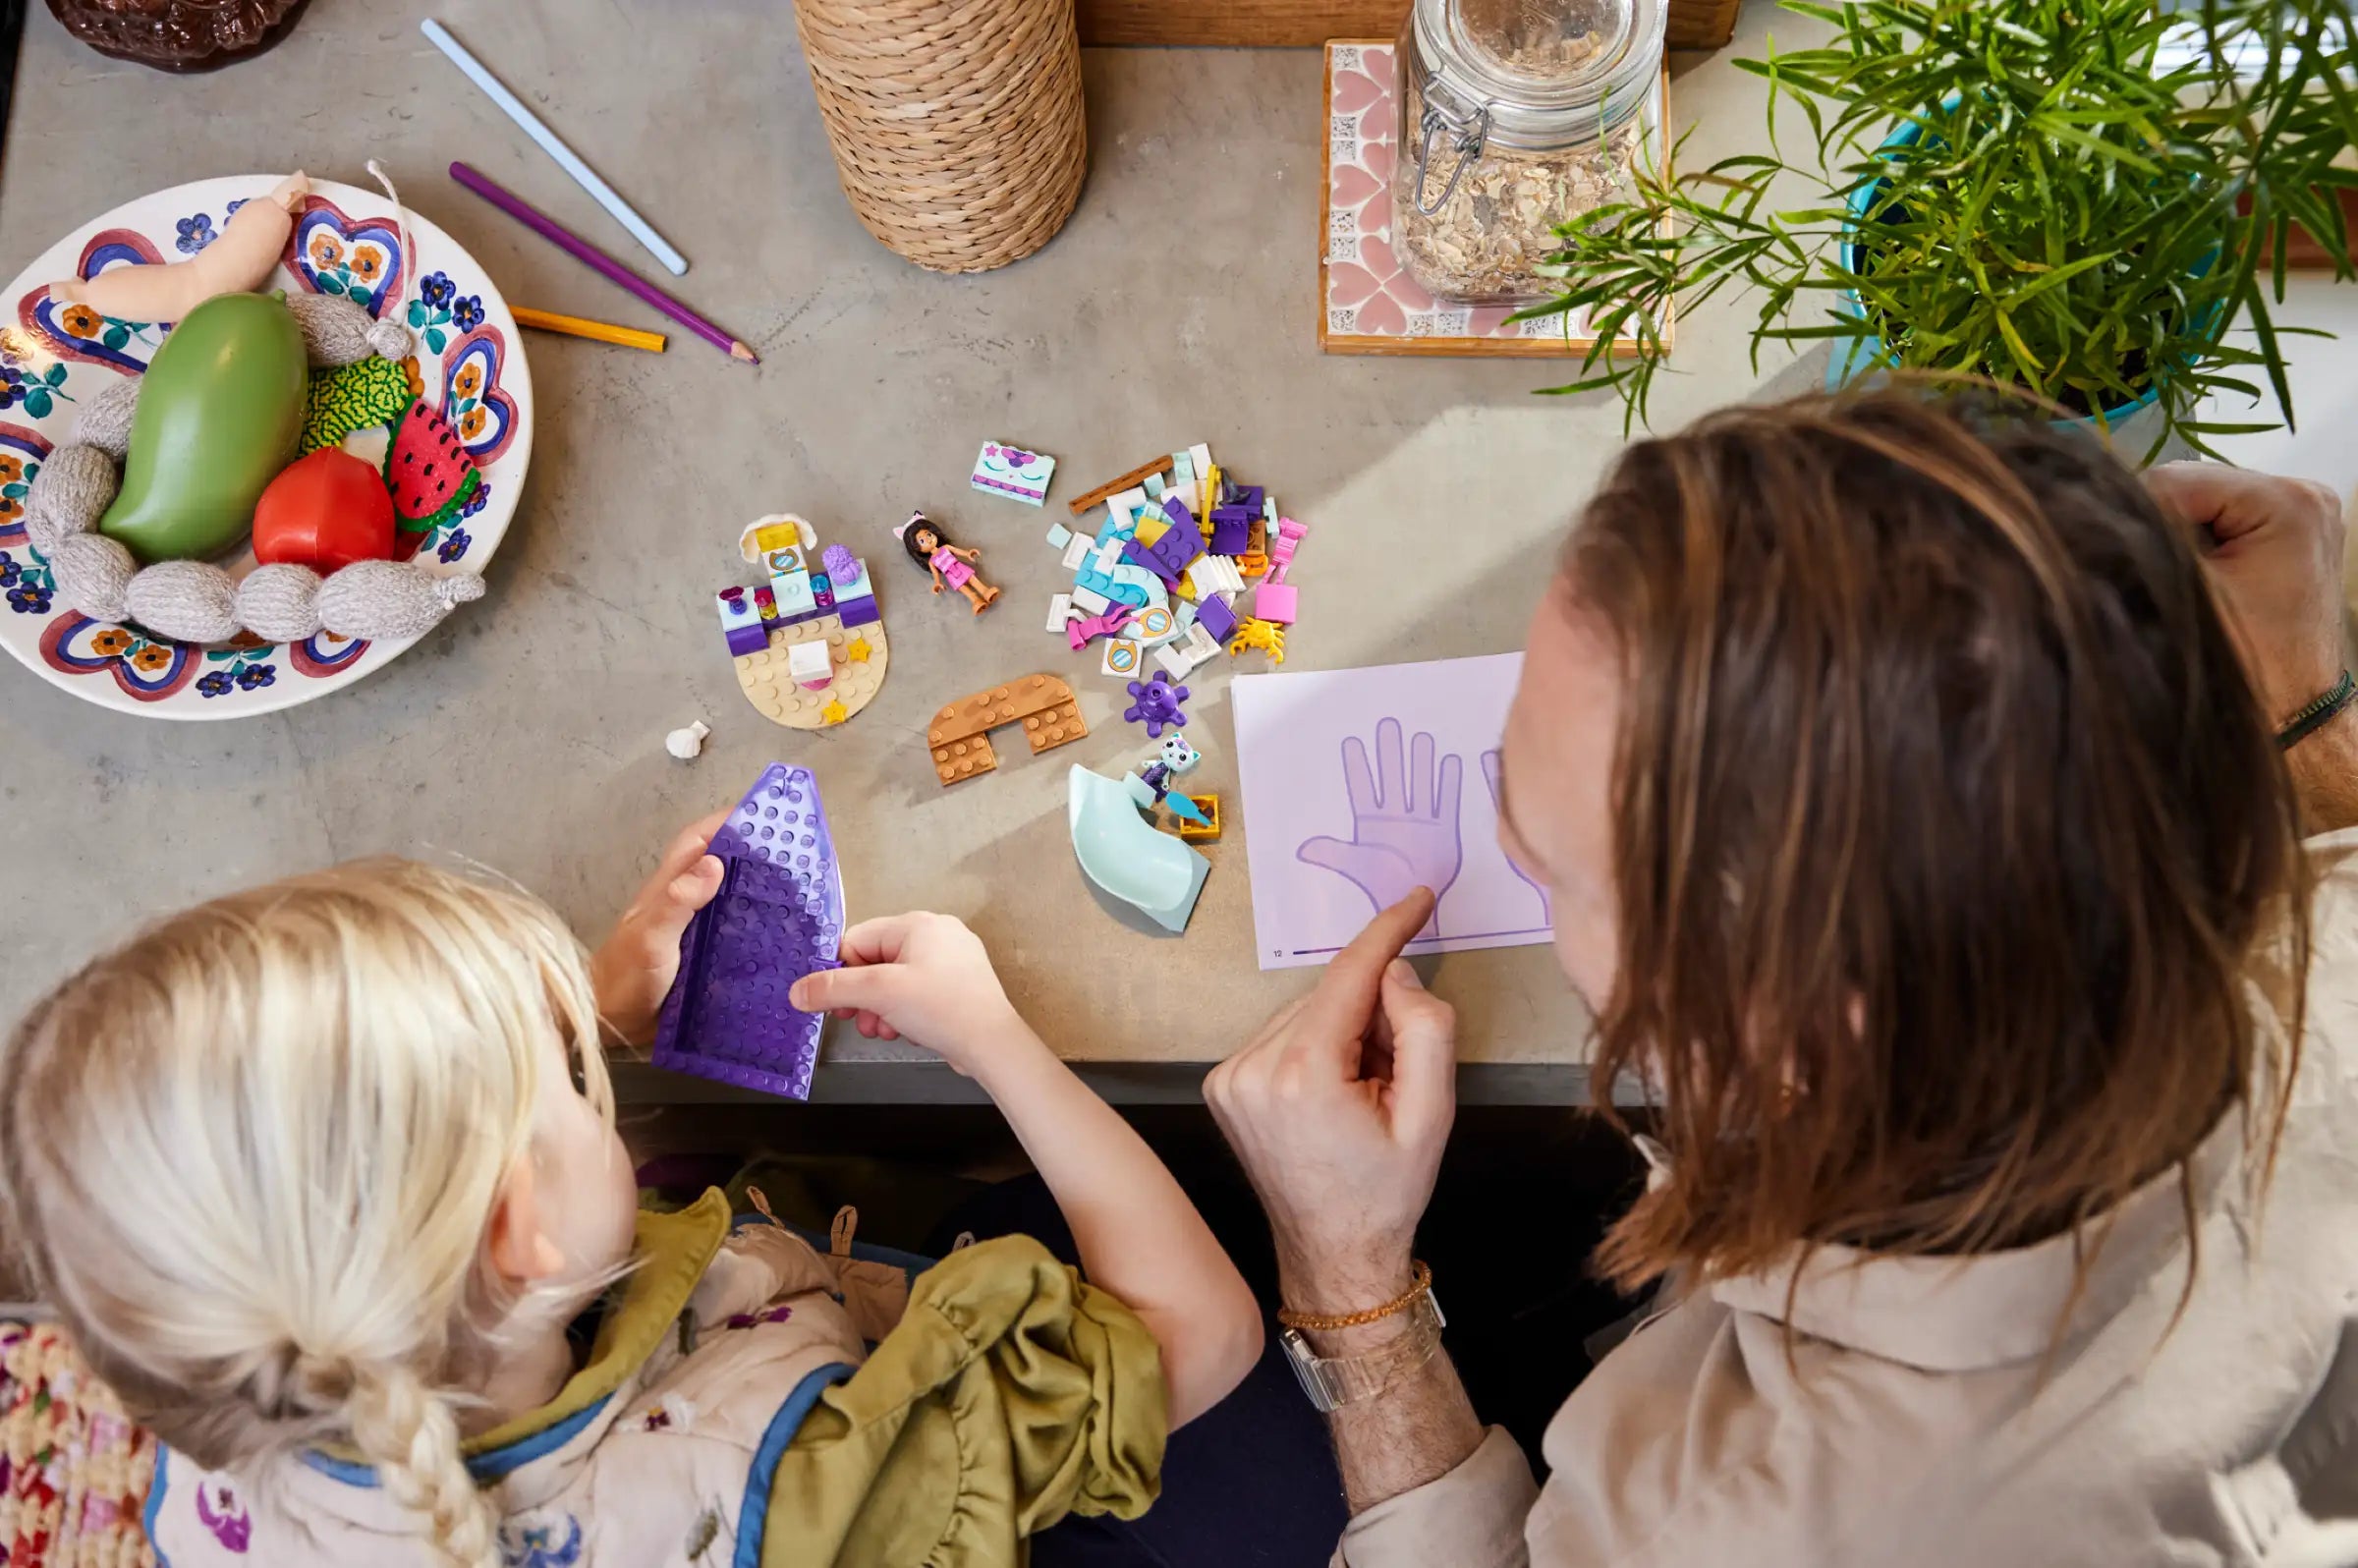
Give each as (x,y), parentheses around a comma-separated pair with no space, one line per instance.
(528,732)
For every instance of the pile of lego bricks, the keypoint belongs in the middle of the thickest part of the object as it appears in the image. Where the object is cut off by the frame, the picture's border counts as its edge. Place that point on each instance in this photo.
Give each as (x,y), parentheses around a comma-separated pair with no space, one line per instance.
(1164,573)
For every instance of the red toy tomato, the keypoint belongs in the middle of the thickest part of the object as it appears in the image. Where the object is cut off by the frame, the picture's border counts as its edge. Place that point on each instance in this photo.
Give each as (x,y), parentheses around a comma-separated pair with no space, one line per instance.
(324,511)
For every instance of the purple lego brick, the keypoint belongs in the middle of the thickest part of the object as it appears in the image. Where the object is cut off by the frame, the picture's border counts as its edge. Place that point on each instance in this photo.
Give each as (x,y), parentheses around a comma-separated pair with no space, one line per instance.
(1231,530)
(1176,510)
(1249,497)
(777,916)
(1167,557)
(1215,617)
(860,612)
(744,639)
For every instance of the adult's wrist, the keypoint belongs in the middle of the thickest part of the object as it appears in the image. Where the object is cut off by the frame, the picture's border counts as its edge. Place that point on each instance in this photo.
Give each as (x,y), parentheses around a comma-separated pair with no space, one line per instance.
(1342,1287)
(2324,765)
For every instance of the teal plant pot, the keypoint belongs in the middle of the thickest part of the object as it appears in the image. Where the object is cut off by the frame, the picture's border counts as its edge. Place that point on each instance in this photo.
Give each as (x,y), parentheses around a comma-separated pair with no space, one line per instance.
(2131,426)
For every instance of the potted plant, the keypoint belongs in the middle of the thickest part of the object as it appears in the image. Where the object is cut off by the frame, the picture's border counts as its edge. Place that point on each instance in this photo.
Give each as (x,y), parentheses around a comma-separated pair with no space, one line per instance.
(2075,197)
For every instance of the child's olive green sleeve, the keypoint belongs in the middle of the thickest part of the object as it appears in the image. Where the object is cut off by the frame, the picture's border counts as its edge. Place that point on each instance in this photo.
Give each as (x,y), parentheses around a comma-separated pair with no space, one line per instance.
(1010,1395)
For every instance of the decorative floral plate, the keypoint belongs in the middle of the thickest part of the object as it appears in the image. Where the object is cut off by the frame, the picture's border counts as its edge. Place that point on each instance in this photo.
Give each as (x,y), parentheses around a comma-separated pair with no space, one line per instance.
(468,363)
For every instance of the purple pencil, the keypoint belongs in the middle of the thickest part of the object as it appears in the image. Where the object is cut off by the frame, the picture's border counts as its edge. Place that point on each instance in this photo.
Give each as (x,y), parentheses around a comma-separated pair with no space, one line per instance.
(581,249)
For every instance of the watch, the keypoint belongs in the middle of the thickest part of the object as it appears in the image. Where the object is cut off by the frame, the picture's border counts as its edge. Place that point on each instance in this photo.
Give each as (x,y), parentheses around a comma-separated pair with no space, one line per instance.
(1333,1381)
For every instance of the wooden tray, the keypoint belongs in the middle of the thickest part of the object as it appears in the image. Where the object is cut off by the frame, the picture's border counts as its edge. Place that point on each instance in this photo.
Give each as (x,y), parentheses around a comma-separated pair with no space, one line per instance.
(1366,302)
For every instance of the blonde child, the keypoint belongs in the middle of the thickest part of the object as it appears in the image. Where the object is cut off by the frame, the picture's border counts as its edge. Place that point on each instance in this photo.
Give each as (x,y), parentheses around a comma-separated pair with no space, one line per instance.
(324,1177)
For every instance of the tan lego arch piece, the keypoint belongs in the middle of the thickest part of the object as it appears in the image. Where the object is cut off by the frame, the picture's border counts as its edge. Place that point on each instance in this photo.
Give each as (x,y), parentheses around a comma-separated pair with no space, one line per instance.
(959,735)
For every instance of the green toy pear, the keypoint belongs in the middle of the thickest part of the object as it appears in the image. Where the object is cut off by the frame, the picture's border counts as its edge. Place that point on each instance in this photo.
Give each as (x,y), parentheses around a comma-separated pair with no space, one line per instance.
(219,413)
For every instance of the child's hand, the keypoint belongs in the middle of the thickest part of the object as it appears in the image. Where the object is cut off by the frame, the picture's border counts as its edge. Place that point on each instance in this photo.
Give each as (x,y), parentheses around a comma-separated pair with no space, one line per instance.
(631,972)
(922,975)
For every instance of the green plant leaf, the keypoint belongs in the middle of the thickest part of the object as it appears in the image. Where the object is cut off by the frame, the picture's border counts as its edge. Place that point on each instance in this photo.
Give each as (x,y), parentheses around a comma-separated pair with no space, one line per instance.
(434,340)
(37,402)
(416,312)
(55,376)
(114,337)
(14,491)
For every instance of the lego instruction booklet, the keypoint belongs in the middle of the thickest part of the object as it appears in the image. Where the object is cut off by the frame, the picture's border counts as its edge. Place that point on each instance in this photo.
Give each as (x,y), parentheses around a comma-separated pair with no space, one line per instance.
(1359,785)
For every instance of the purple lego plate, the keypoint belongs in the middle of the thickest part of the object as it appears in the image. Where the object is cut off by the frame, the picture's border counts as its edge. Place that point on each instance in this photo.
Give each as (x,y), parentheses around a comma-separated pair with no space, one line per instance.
(777,916)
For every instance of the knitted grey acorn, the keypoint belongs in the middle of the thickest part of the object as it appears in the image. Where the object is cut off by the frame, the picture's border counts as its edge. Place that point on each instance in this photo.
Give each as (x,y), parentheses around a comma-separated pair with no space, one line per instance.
(196,602)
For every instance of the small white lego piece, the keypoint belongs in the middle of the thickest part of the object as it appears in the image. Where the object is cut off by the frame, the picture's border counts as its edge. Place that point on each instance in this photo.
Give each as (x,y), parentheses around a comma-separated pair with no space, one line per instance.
(1077,550)
(1088,601)
(1155,626)
(1110,555)
(688,743)
(1062,612)
(810,665)
(1201,455)
(1215,574)
(1058,535)
(1184,655)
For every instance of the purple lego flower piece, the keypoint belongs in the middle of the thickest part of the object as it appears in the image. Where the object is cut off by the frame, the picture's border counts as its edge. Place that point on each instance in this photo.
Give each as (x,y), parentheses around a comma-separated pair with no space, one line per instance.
(1215,617)
(1156,703)
(778,915)
(842,565)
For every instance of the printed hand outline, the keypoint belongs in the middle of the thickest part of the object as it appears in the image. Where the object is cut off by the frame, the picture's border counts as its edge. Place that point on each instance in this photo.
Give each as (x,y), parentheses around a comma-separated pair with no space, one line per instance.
(1405,831)
(1489,775)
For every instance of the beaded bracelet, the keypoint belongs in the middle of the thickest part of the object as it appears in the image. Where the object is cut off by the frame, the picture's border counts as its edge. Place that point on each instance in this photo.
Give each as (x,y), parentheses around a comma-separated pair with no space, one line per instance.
(1319,1322)
(2315,715)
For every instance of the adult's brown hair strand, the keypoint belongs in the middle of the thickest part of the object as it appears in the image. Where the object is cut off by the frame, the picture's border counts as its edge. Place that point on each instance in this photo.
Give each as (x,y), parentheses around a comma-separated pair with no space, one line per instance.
(1947,833)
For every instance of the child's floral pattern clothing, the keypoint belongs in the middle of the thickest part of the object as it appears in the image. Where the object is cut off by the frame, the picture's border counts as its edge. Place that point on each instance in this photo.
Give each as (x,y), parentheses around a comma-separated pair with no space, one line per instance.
(752,1401)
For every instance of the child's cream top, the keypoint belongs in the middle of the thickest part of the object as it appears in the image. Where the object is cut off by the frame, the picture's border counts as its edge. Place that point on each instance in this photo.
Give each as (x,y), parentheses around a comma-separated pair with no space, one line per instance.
(1918,1425)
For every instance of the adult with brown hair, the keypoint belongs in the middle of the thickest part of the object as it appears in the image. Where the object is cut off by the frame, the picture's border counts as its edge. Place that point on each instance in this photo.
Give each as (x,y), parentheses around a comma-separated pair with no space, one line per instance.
(1920,802)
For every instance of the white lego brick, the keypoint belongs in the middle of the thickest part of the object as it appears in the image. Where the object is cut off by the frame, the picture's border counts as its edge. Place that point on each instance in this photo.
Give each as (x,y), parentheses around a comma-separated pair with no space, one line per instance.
(1077,550)
(1201,455)
(1153,486)
(808,663)
(1060,612)
(1110,555)
(1124,659)
(1184,655)
(1058,535)
(1215,574)
(1155,626)
(1088,601)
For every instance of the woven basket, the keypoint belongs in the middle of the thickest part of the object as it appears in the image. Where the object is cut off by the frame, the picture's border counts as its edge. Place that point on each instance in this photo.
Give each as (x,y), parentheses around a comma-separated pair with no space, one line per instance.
(955,124)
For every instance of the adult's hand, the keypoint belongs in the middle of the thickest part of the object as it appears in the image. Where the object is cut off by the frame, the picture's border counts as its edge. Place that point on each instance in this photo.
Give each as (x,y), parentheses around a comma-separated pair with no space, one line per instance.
(1338,1110)
(632,969)
(2275,561)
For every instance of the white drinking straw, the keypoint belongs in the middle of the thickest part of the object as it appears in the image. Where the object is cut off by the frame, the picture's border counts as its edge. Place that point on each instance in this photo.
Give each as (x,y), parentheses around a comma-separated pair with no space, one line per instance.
(567,160)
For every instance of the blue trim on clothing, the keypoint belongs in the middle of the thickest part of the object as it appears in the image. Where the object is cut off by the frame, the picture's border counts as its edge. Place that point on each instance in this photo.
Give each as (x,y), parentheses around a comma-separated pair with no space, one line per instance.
(754,1513)
(156,1506)
(494,1465)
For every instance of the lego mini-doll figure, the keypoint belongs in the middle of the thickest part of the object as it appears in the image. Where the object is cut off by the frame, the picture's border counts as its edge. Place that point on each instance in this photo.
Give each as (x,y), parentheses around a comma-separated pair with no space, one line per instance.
(948,565)
(1172,760)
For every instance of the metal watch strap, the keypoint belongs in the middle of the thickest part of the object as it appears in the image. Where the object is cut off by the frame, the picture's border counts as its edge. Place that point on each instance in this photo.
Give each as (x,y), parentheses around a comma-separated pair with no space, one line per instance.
(1332,1382)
